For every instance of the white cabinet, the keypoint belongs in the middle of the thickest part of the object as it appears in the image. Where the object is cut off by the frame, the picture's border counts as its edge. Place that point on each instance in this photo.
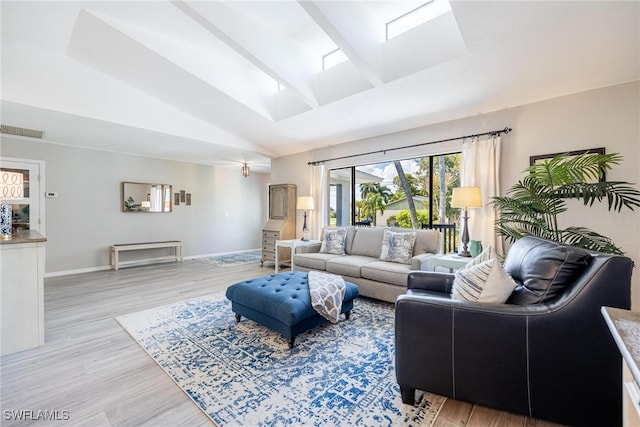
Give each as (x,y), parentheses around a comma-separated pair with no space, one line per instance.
(22,292)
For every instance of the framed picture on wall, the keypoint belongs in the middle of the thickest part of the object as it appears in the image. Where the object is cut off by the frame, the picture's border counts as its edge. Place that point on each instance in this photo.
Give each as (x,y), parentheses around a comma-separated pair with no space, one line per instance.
(188,199)
(568,154)
(176,199)
(183,196)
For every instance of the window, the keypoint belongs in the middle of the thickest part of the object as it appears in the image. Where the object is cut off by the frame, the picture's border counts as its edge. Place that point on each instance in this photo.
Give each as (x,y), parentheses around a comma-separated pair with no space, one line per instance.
(340,196)
(374,193)
(408,21)
(333,58)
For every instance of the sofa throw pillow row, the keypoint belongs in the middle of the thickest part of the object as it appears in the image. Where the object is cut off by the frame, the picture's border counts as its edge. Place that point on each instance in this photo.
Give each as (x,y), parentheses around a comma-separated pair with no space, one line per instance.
(333,242)
(397,247)
(483,280)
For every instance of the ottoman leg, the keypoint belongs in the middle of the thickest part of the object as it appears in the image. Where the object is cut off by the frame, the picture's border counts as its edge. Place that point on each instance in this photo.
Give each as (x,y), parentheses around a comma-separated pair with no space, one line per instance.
(347,315)
(292,341)
(238,317)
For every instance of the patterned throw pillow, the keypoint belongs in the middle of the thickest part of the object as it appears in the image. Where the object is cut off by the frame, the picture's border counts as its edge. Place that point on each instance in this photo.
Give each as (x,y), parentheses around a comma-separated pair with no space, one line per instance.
(334,241)
(397,247)
(484,282)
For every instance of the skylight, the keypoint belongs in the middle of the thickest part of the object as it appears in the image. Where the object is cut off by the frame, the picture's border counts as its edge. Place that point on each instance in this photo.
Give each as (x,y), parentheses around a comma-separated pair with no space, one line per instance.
(409,20)
(333,58)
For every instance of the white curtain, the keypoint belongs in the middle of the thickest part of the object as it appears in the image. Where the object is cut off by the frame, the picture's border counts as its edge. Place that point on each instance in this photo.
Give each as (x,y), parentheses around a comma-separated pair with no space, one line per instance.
(481,168)
(320,192)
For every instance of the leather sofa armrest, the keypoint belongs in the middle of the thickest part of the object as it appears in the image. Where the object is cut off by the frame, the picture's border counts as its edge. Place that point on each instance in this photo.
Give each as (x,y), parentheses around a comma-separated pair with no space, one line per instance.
(309,249)
(430,281)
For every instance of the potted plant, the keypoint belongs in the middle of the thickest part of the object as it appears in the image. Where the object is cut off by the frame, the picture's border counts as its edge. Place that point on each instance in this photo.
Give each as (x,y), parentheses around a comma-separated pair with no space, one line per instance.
(532,206)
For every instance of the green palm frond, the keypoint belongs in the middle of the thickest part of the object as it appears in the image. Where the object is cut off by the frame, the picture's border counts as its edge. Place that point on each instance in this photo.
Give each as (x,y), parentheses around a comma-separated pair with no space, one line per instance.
(562,170)
(588,239)
(617,193)
(533,204)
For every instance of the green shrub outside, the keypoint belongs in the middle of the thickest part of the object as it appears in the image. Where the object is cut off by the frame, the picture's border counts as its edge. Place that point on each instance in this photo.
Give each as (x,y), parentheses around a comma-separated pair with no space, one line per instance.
(404,218)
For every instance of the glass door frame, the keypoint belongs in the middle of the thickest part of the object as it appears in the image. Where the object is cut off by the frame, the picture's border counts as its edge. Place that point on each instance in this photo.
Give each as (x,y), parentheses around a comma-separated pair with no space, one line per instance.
(36,185)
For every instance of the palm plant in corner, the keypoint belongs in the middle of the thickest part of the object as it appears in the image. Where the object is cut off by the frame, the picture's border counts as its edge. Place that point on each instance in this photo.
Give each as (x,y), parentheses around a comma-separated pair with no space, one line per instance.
(532,206)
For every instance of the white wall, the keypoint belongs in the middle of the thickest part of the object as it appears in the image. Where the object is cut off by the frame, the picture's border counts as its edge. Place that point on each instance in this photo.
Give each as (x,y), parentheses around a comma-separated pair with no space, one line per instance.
(226,215)
(607,117)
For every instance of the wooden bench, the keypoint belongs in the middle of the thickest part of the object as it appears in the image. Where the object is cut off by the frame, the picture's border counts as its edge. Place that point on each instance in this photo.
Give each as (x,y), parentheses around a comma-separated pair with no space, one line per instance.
(116,249)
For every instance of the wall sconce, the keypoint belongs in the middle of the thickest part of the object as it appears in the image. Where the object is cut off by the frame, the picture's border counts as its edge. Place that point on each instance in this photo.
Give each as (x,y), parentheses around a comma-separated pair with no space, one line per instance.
(245,170)
(11,188)
(466,197)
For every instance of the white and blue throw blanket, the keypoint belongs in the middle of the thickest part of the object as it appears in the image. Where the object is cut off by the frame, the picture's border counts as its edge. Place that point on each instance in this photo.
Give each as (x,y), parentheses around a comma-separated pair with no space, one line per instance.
(327,292)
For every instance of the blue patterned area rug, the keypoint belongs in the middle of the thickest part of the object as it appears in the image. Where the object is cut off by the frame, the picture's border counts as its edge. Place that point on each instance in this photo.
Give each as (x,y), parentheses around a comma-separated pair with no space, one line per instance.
(244,374)
(229,260)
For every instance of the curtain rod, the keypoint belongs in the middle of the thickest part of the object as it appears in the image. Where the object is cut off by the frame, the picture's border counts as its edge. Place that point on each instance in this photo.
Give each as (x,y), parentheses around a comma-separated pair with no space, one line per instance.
(491,133)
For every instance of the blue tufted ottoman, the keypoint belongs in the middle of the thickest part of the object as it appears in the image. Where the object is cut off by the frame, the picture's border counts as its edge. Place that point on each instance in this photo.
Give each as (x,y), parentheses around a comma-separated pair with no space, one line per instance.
(281,302)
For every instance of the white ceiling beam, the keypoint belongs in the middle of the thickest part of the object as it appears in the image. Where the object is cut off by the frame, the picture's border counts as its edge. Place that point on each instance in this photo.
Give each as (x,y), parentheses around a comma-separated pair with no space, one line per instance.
(356,32)
(283,59)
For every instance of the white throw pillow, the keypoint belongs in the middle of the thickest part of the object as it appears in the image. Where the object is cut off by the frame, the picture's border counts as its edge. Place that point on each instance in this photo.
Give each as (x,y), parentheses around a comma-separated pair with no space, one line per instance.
(485,255)
(333,242)
(397,247)
(485,282)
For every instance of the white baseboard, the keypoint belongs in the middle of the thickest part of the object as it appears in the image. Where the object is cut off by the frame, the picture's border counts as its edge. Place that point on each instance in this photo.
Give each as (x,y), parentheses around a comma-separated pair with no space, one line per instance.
(221,253)
(108,267)
(78,271)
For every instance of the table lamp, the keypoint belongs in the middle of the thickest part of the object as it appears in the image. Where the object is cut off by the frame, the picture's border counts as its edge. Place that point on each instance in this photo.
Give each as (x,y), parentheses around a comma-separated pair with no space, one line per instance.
(305,203)
(11,188)
(466,197)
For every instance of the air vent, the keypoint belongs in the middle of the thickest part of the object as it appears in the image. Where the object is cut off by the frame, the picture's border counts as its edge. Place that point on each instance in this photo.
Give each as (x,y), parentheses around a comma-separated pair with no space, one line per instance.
(14,130)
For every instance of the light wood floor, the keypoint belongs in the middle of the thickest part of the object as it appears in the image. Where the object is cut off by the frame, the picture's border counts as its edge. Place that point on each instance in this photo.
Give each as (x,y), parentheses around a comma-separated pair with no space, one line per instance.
(91,368)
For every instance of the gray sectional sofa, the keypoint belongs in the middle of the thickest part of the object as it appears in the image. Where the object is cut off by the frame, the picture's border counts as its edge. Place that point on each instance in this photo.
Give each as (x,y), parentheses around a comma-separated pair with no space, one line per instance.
(361,263)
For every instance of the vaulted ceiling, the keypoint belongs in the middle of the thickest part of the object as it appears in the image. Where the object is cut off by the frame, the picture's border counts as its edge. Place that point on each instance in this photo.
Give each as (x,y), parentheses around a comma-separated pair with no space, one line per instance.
(228,82)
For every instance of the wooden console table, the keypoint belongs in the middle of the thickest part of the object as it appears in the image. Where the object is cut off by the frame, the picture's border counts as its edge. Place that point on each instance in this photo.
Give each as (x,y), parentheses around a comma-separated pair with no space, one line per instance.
(116,249)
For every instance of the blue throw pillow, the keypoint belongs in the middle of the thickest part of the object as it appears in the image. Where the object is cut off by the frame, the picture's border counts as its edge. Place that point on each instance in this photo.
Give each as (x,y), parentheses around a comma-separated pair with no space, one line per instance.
(397,247)
(333,242)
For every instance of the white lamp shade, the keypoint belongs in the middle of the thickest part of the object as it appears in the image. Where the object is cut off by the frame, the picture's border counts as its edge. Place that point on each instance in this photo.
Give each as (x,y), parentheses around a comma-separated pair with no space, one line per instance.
(466,197)
(305,203)
(11,186)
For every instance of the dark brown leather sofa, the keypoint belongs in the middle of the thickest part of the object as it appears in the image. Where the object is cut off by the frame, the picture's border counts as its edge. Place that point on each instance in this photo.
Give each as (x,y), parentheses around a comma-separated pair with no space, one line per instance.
(546,353)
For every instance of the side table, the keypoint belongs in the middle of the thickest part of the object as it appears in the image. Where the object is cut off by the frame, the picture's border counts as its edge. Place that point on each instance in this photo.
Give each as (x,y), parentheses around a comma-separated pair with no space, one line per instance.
(450,261)
(293,244)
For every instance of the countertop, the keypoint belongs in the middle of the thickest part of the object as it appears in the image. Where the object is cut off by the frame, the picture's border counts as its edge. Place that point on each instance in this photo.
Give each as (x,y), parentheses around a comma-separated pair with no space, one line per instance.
(625,329)
(25,236)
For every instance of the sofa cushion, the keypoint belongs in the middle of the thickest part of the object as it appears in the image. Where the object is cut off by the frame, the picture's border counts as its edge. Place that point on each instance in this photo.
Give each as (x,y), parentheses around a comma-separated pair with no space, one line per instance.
(543,268)
(483,282)
(397,247)
(351,232)
(387,272)
(348,265)
(427,241)
(313,261)
(367,241)
(334,241)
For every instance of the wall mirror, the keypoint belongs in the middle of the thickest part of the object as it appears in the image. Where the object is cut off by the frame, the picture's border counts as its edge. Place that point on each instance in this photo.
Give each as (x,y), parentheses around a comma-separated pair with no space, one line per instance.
(143,197)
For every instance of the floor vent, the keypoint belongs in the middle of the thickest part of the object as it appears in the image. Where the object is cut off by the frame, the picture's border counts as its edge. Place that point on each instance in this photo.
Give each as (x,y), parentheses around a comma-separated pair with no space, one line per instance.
(14,130)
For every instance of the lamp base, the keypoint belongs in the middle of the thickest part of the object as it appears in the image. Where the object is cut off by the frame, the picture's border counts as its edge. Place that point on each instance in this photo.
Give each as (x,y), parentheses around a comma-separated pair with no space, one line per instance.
(465,254)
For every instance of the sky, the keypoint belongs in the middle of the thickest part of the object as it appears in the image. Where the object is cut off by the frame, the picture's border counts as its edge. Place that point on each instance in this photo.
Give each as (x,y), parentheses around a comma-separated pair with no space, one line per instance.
(387,171)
